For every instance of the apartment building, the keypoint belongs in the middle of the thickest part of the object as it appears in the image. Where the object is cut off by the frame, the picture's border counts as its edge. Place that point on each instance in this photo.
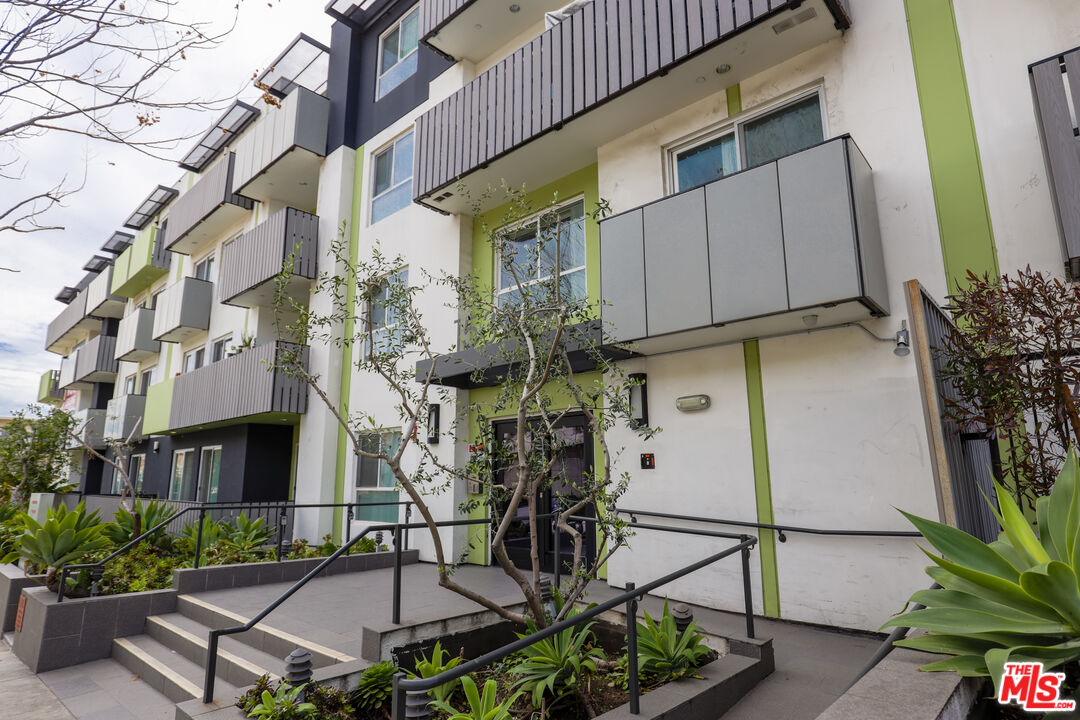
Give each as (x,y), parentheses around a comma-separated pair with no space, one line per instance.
(797,185)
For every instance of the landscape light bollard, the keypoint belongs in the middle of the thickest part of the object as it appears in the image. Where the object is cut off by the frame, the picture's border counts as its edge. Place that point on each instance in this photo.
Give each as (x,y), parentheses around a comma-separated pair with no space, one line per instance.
(298,667)
(416,705)
(683,616)
(547,596)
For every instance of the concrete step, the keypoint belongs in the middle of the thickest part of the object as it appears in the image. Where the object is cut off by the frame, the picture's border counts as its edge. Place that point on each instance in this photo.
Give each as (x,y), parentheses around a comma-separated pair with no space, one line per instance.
(237,663)
(266,638)
(166,670)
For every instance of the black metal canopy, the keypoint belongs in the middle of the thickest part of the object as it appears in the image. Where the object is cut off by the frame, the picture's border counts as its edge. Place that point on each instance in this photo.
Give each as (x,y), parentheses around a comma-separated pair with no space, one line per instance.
(118,242)
(97,263)
(305,63)
(149,208)
(67,294)
(229,125)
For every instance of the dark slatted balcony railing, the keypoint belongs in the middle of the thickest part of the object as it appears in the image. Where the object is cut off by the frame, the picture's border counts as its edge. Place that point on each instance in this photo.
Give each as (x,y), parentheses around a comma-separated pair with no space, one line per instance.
(251,262)
(597,58)
(240,386)
(450,26)
(1056,85)
(208,208)
(96,361)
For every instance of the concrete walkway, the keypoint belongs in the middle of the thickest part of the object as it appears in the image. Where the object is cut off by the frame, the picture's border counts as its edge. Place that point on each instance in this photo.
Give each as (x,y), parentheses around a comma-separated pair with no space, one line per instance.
(23,695)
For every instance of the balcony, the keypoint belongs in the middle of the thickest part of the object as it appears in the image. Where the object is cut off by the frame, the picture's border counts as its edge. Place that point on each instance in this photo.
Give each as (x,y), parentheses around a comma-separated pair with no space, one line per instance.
(90,426)
(1055,108)
(473,29)
(72,322)
(95,362)
(241,387)
(49,388)
(207,209)
(748,255)
(100,301)
(122,416)
(66,376)
(140,265)
(135,337)
(592,79)
(279,157)
(251,262)
(183,310)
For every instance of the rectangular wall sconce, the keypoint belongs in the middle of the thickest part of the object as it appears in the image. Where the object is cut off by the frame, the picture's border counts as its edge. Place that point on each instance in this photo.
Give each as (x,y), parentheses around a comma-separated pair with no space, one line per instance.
(433,424)
(639,400)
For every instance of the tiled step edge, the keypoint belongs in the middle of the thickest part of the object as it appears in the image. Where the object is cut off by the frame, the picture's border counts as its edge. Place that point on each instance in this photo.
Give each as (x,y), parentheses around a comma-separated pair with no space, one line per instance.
(233,668)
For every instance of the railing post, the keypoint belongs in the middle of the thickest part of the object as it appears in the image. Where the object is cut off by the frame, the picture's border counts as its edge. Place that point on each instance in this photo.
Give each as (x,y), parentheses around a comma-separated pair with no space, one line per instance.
(397,709)
(63,582)
(198,537)
(408,517)
(748,597)
(282,522)
(557,579)
(211,667)
(632,651)
(348,526)
(397,579)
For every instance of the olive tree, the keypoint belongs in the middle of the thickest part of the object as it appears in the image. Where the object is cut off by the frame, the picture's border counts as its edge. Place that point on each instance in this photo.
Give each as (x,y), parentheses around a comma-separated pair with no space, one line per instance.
(34,453)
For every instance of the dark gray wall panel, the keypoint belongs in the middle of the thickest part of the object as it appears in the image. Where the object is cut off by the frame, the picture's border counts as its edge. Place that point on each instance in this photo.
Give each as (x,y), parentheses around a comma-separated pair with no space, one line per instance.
(746,245)
(677,264)
(871,257)
(622,276)
(819,239)
(1061,147)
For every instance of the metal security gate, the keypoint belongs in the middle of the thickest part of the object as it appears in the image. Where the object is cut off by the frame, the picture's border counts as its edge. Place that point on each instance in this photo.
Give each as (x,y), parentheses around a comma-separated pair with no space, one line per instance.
(961,455)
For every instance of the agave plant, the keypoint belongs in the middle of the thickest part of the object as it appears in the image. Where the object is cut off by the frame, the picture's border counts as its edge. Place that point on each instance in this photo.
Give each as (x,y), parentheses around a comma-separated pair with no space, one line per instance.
(664,652)
(557,664)
(122,530)
(1013,600)
(481,707)
(65,538)
(437,665)
(213,533)
(247,535)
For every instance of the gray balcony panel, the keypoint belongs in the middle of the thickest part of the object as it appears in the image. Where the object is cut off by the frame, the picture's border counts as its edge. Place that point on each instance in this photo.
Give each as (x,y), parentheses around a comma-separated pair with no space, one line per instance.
(824,255)
(135,337)
(819,229)
(449,26)
(251,263)
(207,209)
(67,370)
(90,426)
(96,360)
(622,274)
(237,387)
(677,264)
(100,302)
(183,310)
(72,320)
(746,246)
(123,415)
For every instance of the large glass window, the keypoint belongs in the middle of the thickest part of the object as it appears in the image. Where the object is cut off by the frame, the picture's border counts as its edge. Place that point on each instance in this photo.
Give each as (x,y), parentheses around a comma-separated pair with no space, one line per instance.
(194,359)
(398,53)
(136,467)
(146,380)
(382,316)
(220,348)
(754,141)
(206,269)
(182,480)
(209,473)
(375,482)
(530,253)
(393,178)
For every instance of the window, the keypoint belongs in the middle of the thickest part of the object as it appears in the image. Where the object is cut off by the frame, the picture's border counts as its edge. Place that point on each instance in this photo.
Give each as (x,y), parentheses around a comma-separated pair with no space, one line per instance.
(382,316)
(136,468)
(393,179)
(181,485)
(397,53)
(209,473)
(220,348)
(375,482)
(194,359)
(751,142)
(146,380)
(129,385)
(206,270)
(154,299)
(534,247)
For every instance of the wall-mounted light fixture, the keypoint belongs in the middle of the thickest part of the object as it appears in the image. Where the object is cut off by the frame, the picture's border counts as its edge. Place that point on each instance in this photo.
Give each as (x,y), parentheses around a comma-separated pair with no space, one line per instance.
(903,341)
(639,400)
(692,403)
(157,445)
(433,424)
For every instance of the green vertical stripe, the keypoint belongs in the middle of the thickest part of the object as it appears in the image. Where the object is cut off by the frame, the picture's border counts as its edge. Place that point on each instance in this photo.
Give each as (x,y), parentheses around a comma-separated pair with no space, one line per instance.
(759,444)
(734,99)
(967,237)
(295,460)
(347,346)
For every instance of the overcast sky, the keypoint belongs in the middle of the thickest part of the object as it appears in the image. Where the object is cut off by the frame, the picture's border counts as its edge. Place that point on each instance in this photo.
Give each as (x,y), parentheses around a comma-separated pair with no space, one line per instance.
(117,179)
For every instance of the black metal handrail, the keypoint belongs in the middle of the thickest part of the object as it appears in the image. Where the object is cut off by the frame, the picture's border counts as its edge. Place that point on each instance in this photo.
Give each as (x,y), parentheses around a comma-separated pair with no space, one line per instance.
(781,529)
(403,686)
(97,569)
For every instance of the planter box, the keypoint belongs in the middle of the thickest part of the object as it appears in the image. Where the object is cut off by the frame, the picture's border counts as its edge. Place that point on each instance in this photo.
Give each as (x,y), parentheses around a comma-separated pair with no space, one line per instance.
(56,635)
(12,582)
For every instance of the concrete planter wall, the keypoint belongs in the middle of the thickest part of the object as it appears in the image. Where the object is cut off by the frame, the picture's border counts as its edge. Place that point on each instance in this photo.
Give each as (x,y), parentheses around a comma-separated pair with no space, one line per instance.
(12,582)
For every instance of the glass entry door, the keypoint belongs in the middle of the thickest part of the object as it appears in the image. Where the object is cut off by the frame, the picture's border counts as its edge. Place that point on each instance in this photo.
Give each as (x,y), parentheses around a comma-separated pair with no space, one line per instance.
(573,443)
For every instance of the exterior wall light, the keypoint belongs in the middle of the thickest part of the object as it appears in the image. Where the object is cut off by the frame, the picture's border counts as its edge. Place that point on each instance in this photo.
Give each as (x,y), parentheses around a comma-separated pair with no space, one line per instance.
(723,68)
(692,403)
(515,8)
(639,400)
(433,424)
(903,341)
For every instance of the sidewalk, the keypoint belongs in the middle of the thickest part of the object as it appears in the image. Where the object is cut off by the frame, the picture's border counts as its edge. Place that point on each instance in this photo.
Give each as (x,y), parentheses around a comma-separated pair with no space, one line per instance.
(23,695)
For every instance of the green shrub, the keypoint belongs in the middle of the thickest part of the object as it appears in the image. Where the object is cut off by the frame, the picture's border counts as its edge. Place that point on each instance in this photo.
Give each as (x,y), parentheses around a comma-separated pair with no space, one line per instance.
(439,663)
(121,530)
(143,567)
(246,535)
(213,533)
(557,665)
(328,703)
(664,653)
(11,528)
(285,704)
(373,693)
(482,707)
(1013,600)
